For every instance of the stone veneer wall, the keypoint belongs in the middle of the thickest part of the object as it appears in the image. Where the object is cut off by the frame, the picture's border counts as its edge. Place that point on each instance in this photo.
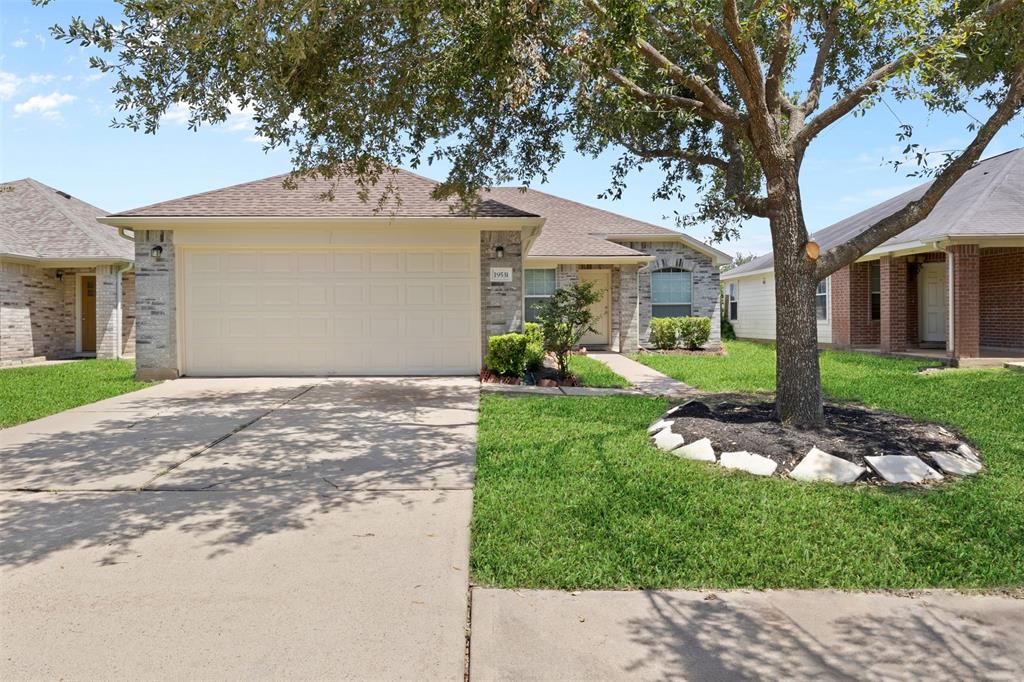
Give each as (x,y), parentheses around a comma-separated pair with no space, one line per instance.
(705,285)
(501,303)
(156,341)
(128,314)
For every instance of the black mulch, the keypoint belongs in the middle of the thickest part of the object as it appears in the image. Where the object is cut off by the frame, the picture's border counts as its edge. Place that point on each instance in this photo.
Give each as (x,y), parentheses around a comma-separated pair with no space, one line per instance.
(743,422)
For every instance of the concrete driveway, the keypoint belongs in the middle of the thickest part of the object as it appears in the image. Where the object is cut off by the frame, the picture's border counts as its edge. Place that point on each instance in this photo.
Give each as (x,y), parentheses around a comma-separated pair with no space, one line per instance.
(241,528)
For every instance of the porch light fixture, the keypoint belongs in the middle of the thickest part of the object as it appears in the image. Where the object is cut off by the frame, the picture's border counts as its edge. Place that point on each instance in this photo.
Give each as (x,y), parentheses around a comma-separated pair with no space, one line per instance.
(156,252)
(59,274)
(499,251)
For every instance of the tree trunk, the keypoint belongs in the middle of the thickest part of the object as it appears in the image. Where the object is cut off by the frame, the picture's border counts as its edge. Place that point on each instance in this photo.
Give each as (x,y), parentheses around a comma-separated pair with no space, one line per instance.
(797,375)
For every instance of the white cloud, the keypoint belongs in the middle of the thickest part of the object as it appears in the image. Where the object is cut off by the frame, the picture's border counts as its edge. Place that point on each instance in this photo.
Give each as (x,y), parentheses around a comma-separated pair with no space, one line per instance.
(176,113)
(19,43)
(47,105)
(10,83)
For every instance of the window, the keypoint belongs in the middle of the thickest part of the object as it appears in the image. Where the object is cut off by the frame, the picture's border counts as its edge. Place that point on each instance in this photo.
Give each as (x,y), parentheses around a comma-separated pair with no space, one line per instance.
(733,303)
(671,293)
(875,275)
(540,284)
(821,299)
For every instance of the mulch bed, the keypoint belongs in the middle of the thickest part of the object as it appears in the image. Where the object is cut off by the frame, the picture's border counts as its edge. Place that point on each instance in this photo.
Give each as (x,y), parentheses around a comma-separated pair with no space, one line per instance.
(546,376)
(743,422)
(682,351)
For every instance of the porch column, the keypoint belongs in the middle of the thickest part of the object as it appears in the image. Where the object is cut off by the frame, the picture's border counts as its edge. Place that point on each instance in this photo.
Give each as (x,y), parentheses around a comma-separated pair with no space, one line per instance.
(108,318)
(628,310)
(964,273)
(841,308)
(893,323)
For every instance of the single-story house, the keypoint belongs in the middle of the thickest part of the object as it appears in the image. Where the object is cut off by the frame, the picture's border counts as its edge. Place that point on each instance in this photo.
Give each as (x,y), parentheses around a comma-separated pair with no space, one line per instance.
(66,285)
(260,279)
(950,286)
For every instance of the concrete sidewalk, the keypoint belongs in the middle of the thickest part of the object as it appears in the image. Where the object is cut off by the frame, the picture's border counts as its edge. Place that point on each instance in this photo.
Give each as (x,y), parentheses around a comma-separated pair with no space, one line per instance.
(782,635)
(643,378)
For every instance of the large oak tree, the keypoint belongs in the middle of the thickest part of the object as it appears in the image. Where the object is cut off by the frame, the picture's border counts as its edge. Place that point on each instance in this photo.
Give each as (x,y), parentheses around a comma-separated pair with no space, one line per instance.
(726,95)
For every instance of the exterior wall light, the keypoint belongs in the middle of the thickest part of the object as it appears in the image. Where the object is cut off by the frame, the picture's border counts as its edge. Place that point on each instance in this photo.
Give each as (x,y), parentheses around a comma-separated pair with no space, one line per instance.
(59,274)
(156,252)
(499,251)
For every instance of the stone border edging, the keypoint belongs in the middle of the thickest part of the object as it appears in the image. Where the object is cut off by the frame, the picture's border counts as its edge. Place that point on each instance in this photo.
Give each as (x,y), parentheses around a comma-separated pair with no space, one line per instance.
(522,389)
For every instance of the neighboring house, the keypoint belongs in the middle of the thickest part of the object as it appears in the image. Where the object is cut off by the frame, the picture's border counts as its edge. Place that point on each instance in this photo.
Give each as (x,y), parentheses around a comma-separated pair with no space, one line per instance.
(66,289)
(259,279)
(953,283)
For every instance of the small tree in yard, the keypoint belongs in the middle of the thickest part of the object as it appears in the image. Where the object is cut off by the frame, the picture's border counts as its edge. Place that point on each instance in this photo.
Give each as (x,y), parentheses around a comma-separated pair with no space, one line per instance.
(565,318)
(727,95)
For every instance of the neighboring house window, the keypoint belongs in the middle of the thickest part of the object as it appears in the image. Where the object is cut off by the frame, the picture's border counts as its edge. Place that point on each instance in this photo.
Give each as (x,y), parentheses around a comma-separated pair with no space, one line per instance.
(733,303)
(540,284)
(821,299)
(671,293)
(875,271)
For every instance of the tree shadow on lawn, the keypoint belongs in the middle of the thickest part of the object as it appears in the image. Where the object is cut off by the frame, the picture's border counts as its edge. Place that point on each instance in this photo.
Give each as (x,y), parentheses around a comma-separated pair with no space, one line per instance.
(335,447)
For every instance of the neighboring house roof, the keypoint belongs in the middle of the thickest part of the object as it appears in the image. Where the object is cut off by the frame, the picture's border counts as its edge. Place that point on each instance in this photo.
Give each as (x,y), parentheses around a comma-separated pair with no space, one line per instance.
(987,201)
(403,194)
(39,222)
(572,229)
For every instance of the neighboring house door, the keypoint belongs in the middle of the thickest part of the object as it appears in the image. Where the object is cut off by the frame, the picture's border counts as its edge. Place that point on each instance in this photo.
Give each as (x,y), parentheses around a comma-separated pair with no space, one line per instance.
(601,310)
(87,310)
(931,287)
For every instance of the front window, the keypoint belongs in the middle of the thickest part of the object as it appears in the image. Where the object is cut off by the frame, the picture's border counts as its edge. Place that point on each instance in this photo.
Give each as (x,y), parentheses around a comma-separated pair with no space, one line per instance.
(671,293)
(821,299)
(733,303)
(875,271)
(540,284)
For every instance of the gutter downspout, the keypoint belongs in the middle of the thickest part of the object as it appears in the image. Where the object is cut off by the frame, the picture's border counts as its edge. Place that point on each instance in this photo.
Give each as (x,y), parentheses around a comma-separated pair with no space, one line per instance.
(122,235)
(951,339)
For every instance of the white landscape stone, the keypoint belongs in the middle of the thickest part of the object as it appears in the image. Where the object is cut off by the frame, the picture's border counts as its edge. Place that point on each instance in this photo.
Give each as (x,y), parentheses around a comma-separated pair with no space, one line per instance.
(819,465)
(658,426)
(902,469)
(699,449)
(749,462)
(953,463)
(668,440)
(969,452)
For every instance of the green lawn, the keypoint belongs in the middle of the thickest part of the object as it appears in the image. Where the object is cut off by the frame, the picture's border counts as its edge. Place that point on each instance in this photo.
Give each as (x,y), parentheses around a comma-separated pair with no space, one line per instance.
(595,373)
(28,393)
(570,495)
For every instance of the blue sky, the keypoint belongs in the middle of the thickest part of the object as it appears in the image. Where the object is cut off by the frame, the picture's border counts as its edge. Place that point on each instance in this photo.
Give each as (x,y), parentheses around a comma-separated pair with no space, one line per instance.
(55,118)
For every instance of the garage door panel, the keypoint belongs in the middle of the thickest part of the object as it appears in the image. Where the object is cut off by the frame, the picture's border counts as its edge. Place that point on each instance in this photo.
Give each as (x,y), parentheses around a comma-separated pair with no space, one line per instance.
(369,311)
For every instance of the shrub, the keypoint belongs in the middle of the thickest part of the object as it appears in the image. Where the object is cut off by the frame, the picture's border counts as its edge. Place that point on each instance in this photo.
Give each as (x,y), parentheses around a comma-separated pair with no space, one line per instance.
(693,332)
(506,354)
(728,333)
(664,332)
(534,334)
(565,318)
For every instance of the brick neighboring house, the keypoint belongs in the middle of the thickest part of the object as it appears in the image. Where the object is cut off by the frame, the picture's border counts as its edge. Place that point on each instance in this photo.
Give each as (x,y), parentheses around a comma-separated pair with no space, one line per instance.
(951,285)
(66,286)
(259,279)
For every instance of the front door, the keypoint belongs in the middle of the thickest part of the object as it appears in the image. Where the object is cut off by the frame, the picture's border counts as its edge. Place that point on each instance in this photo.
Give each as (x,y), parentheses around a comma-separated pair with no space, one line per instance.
(87,310)
(601,310)
(931,287)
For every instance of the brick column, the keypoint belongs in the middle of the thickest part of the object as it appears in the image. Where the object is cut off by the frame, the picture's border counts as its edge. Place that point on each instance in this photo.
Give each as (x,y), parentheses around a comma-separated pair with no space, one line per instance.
(501,303)
(893,327)
(627,308)
(966,291)
(108,319)
(156,334)
(840,293)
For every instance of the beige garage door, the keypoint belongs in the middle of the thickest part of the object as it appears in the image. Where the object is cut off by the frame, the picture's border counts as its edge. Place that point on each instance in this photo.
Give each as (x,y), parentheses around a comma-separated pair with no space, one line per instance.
(366,311)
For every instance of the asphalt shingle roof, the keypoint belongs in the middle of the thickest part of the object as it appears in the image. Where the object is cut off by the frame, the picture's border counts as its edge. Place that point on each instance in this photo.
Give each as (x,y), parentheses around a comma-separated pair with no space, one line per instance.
(269,198)
(37,221)
(988,200)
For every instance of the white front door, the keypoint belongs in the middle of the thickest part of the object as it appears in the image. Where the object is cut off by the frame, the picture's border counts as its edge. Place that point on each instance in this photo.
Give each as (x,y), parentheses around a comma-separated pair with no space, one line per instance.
(931,290)
(601,310)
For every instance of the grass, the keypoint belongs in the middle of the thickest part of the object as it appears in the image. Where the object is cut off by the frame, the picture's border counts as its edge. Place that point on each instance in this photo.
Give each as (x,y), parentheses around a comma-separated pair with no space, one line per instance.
(570,495)
(595,373)
(28,393)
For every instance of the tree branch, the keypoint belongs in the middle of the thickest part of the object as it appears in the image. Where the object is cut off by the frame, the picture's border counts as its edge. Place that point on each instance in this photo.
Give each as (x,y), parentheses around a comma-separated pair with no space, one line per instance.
(830,25)
(918,210)
(774,96)
(881,75)
(675,153)
(671,101)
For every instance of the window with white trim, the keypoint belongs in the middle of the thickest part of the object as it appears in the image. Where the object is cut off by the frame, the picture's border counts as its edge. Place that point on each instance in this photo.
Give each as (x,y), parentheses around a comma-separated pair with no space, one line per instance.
(733,301)
(671,293)
(540,284)
(821,299)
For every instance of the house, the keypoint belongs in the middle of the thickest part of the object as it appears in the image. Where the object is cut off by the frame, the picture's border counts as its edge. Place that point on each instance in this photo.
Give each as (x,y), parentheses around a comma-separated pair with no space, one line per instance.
(66,286)
(950,286)
(259,279)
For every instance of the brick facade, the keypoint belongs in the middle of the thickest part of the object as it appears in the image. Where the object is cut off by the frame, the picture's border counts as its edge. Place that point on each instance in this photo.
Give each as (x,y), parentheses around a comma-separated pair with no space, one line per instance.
(966,283)
(156,340)
(1001,304)
(893,323)
(501,303)
(851,307)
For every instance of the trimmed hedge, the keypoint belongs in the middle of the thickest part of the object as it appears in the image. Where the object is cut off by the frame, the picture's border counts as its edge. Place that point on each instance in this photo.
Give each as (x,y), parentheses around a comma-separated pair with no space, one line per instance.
(690,332)
(506,354)
(534,334)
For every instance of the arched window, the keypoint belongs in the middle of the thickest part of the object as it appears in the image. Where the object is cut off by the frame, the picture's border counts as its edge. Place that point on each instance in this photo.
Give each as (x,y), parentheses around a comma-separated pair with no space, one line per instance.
(671,293)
